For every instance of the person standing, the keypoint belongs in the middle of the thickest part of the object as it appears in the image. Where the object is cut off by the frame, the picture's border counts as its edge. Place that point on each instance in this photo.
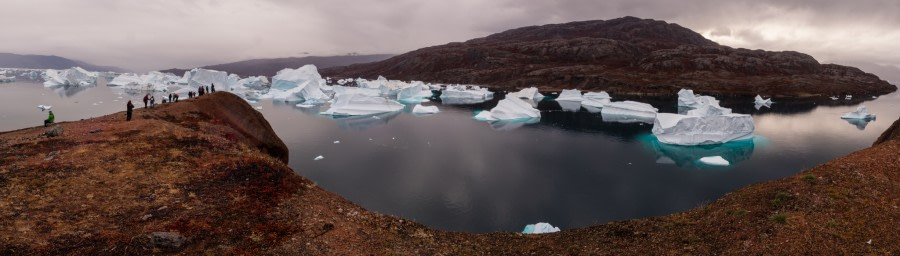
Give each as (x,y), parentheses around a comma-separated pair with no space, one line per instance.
(212,88)
(50,119)
(146,99)
(200,91)
(129,108)
(152,101)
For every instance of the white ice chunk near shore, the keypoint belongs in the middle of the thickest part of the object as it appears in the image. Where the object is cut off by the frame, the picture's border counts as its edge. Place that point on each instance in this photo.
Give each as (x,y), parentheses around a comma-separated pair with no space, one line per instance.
(318,158)
(860,113)
(595,99)
(539,228)
(510,108)
(45,107)
(419,109)
(527,93)
(701,130)
(759,100)
(570,95)
(358,104)
(76,76)
(623,111)
(714,160)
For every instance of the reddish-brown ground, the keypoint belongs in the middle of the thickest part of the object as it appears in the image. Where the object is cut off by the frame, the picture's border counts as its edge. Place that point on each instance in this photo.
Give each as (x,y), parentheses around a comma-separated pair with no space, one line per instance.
(208,169)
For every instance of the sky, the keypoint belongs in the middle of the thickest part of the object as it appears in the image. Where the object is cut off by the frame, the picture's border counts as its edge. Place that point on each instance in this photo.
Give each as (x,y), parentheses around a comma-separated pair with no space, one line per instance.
(148,35)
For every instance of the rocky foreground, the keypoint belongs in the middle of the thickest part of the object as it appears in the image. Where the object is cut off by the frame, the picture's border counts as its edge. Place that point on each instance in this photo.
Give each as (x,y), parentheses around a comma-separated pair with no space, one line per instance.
(621,56)
(208,176)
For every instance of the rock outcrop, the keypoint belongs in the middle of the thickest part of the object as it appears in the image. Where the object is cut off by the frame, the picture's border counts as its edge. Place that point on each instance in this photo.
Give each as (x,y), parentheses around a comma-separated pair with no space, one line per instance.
(190,178)
(624,56)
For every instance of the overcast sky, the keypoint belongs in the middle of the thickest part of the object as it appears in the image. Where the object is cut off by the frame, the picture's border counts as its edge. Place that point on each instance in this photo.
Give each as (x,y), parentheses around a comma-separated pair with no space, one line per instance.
(147,35)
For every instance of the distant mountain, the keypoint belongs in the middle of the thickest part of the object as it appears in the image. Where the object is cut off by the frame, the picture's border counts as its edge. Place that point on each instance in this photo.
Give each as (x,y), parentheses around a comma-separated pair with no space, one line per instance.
(10,60)
(268,67)
(626,55)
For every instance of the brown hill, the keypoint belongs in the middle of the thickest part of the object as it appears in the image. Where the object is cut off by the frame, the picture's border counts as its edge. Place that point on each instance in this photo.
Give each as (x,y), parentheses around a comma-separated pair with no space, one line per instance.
(626,56)
(218,186)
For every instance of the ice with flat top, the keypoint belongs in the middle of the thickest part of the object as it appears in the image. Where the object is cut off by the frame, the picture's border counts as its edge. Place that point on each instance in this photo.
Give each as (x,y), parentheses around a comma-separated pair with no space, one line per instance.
(714,160)
(510,108)
(540,228)
(628,111)
(423,110)
(595,99)
(527,93)
(359,104)
(75,76)
(462,91)
(570,95)
(198,77)
(702,130)
(152,81)
(860,113)
(355,90)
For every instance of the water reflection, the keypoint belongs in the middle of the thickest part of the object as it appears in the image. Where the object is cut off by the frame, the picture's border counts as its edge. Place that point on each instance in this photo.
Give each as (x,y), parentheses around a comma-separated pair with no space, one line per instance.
(360,123)
(689,156)
(462,101)
(859,123)
(759,105)
(512,125)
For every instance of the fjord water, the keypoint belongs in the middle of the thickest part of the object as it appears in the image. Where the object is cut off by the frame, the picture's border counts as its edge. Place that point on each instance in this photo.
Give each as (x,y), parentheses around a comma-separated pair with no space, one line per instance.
(571,169)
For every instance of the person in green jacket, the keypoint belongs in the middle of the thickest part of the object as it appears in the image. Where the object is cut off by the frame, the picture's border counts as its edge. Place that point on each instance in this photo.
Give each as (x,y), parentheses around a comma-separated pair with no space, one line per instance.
(49,119)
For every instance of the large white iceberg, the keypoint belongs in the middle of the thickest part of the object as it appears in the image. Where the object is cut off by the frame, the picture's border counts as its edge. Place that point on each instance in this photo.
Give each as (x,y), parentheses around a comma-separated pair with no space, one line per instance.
(709,110)
(461,91)
(628,111)
(702,130)
(510,108)
(539,228)
(595,99)
(359,104)
(76,76)
(527,93)
(414,92)
(298,85)
(860,113)
(569,95)
(423,110)
(152,81)
(204,77)
(255,82)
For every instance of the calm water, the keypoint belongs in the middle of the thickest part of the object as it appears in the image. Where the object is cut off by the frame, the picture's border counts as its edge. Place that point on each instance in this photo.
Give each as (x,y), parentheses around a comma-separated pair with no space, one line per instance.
(571,169)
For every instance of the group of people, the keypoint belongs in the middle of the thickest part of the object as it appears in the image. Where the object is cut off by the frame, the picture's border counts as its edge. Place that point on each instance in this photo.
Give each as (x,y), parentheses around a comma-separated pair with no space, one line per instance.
(173,97)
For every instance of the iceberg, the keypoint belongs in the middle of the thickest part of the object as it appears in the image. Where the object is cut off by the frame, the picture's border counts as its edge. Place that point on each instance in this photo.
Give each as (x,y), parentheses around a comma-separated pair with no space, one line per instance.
(152,81)
(595,99)
(419,109)
(760,105)
(460,91)
(45,107)
(686,98)
(338,90)
(415,92)
(255,83)
(702,130)
(511,108)
(859,123)
(761,101)
(318,158)
(358,104)
(569,95)
(204,77)
(628,112)
(714,160)
(302,84)
(860,113)
(7,79)
(709,110)
(527,93)
(569,106)
(539,228)
(76,76)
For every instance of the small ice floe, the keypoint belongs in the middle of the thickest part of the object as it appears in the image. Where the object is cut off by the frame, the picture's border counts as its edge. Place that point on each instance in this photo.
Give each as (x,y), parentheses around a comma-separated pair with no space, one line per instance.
(258,107)
(337,142)
(596,99)
(360,105)
(833,98)
(860,113)
(318,158)
(714,160)
(423,110)
(539,228)
(301,105)
(570,95)
(45,107)
(848,97)
(628,112)
(874,97)
(510,108)
(761,101)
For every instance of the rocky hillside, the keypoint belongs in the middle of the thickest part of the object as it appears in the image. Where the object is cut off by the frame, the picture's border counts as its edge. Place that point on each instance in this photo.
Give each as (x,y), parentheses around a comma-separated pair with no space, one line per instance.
(208,176)
(269,67)
(626,56)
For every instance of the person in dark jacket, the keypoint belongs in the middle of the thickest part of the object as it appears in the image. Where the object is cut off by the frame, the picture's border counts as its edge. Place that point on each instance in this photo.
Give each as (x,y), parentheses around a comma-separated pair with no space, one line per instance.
(129,108)
(212,88)
(152,101)
(200,91)
(50,119)
(146,99)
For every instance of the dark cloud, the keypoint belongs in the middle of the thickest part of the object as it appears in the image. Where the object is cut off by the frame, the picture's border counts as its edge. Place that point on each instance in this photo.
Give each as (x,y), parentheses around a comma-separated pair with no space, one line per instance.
(147,35)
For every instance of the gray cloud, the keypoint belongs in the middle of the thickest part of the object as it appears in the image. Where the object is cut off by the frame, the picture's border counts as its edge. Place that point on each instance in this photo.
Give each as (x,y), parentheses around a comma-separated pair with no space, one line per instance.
(147,35)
